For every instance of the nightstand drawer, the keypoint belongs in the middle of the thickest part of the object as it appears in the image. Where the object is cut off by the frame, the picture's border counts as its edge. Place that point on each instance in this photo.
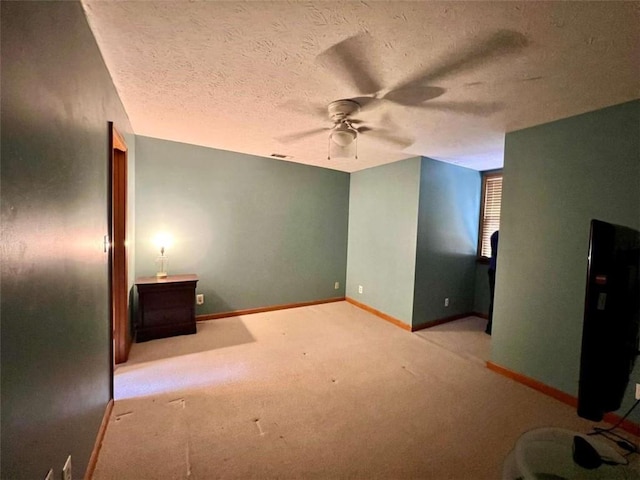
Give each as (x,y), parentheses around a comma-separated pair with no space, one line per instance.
(168,299)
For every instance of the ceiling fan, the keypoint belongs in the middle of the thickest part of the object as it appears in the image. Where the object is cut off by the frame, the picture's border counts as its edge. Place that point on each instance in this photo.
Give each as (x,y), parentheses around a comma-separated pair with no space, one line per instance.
(345,129)
(348,60)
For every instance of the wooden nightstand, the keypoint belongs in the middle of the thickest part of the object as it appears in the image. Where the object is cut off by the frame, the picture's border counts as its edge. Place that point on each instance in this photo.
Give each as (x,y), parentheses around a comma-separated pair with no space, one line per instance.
(166,306)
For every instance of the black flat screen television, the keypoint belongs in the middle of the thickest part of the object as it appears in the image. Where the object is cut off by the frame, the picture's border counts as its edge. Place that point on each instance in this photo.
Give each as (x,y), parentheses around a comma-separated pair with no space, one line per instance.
(611,318)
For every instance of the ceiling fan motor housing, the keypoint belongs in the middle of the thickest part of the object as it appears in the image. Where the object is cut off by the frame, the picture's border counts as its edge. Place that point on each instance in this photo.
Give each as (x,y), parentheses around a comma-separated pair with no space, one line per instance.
(342,109)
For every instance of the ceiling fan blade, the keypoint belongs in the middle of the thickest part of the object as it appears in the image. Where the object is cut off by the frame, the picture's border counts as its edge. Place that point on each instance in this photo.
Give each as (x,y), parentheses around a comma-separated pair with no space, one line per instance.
(480,109)
(413,95)
(388,137)
(366,103)
(294,137)
(497,44)
(348,60)
(305,108)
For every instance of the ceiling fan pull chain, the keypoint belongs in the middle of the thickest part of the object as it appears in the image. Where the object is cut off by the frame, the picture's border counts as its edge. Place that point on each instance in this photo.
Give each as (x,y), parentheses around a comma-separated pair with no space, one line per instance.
(356,148)
(329,148)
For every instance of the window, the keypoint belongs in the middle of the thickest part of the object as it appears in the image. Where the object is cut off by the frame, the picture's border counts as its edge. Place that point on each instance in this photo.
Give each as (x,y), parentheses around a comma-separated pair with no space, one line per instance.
(489,211)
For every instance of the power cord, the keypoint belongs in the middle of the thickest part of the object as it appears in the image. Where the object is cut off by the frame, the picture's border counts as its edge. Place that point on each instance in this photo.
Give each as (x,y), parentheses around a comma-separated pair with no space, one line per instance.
(619,440)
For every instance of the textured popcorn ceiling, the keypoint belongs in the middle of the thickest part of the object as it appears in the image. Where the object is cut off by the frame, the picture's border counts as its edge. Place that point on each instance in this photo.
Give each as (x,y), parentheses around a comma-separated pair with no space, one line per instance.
(236,75)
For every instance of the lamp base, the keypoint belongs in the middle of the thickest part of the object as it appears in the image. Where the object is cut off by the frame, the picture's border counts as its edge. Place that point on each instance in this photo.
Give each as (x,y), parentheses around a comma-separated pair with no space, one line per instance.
(161,275)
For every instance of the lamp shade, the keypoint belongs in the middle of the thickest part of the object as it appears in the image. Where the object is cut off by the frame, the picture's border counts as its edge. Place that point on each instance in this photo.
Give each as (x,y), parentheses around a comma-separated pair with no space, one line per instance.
(162,240)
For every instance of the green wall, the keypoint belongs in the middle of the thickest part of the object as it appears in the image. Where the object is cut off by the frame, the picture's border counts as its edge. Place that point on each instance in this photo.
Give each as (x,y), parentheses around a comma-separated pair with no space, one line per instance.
(447,241)
(257,231)
(383,213)
(557,177)
(57,97)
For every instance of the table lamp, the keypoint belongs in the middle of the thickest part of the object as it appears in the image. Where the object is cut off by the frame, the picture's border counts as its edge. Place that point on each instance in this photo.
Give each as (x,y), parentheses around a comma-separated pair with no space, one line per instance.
(163,241)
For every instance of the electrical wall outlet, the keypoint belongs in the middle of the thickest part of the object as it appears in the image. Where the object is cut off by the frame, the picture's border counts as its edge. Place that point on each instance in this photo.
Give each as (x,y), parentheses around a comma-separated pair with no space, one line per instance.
(66,470)
(637,391)
(446,302)
(49,475)
(200,299)
(359,288)
(336,285)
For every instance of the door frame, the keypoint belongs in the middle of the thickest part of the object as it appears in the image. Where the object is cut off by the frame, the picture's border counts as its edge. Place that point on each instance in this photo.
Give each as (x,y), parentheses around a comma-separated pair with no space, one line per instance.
(120,332)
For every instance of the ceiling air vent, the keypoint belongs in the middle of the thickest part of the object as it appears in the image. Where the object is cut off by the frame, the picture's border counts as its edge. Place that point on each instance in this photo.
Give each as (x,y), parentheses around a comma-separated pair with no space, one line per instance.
(280,155)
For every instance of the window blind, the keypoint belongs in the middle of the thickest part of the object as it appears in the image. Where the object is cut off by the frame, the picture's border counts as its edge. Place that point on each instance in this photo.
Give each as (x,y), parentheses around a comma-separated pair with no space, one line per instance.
(490,221)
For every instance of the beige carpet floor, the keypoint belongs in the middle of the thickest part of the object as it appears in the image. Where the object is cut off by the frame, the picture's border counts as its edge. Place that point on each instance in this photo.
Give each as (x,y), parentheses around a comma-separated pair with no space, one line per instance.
(464,337)
(327,391)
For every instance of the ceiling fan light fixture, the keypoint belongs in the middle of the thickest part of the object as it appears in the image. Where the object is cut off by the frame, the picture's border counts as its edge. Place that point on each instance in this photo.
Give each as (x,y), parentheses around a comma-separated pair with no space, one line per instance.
(343,137)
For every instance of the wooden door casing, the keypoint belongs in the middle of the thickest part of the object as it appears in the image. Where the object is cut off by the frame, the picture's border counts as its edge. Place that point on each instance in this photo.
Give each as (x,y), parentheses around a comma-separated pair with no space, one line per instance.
(119,275)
